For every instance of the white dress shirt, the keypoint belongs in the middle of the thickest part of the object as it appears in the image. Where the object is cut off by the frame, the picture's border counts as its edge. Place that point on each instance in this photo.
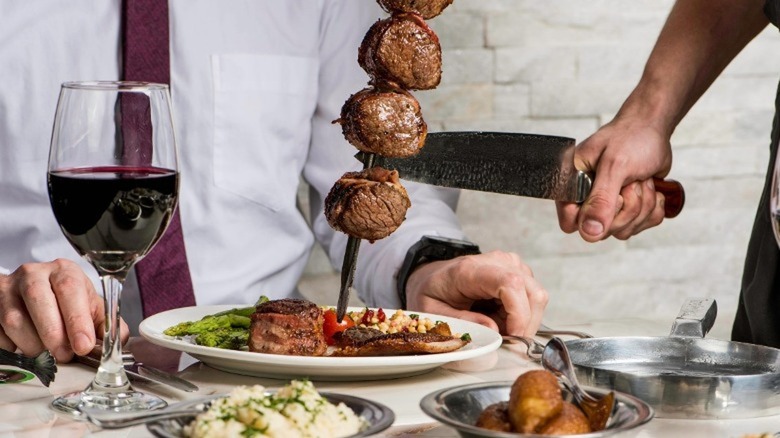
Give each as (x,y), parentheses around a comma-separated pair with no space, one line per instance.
(255,87)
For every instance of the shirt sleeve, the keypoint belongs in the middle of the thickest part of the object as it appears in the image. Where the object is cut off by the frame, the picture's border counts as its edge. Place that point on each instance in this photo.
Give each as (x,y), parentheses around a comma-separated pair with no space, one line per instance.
(344,23)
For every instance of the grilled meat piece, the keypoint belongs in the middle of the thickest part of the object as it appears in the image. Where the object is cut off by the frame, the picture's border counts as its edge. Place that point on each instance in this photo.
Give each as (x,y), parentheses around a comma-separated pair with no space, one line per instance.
(387,122)
(495,417)
(354,336)
(358,341)
(403,50)
(426,8)
(287,326)
(369,204)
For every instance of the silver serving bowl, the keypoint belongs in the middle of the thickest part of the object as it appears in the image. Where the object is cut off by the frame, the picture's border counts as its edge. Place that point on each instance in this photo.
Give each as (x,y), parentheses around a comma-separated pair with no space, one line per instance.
(378,416)
(460,406)
(689,378)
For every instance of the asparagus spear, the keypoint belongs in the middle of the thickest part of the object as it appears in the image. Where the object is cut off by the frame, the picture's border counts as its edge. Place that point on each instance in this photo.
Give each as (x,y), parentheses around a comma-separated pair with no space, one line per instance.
(208,324)
(226,329)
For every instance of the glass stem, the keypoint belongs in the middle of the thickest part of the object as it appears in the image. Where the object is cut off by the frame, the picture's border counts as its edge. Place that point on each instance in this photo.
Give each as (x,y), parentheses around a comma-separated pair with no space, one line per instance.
(111,373)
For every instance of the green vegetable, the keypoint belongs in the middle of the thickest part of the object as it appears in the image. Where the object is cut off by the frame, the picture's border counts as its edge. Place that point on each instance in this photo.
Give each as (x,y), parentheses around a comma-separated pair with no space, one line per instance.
(243,311)
(230,339)
(227,329)
(208,324)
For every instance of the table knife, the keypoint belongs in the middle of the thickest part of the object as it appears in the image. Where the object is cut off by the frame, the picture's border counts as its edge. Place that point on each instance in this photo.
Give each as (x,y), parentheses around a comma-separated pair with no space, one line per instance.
(539,166)
(139,372)
(161,376)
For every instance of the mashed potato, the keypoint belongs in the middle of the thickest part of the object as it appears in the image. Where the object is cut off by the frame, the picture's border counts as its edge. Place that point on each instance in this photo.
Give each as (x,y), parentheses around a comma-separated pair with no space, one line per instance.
(296,410)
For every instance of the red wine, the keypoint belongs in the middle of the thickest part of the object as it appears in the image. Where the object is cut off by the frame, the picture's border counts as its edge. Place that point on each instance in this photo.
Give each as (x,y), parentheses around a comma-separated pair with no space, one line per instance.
(113,215)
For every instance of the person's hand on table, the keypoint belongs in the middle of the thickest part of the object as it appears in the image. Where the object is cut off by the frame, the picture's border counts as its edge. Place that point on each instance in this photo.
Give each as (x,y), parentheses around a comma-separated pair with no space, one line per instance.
(51,306)
(452,287)
(624,155)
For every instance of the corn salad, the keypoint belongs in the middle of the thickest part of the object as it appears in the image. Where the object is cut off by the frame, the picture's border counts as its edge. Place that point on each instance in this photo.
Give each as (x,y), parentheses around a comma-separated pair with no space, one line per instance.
(398,321)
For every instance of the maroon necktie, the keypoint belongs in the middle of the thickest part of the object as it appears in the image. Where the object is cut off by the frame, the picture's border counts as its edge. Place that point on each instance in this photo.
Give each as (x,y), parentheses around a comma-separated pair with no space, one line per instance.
(163,276)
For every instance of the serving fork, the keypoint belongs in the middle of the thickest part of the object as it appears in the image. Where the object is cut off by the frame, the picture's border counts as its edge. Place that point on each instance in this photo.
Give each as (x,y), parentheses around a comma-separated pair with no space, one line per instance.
(535,349)
(549,332)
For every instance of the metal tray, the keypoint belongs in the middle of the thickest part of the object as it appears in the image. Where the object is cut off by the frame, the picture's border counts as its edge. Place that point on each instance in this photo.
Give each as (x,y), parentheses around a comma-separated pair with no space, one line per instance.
(684,375)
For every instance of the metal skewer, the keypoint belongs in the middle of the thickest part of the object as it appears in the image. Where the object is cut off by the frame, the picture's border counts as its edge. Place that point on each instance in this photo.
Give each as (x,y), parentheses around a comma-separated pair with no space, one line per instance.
(350,259)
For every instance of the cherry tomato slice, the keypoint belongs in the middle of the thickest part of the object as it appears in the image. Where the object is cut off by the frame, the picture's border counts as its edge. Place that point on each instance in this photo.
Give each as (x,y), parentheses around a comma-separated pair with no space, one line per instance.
(331,327)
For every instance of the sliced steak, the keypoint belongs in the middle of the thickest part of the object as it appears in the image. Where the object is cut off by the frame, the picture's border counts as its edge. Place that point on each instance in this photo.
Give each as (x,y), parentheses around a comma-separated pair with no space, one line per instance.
(402,50)
(426,8)
(356,341)
(287,326)
(369,204)
(386,121)
(354,336)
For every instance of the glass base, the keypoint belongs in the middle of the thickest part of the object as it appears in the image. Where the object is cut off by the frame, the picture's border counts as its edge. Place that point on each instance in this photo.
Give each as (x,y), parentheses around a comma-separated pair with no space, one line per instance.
(76,404)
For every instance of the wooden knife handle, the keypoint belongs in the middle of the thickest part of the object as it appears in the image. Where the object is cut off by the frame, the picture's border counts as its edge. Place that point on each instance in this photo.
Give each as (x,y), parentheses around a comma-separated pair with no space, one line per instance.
(674,193)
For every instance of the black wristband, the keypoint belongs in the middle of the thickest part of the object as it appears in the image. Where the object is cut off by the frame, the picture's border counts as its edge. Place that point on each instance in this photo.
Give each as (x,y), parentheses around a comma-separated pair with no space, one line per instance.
(430,248)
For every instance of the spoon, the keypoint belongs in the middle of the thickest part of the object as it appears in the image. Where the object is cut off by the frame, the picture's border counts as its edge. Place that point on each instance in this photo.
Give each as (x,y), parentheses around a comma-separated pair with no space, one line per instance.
(556,359)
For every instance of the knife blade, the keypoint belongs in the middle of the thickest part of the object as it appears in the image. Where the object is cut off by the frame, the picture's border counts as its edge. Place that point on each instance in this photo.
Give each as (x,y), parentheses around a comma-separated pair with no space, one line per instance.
(137,371)
(161,376)
(532,165)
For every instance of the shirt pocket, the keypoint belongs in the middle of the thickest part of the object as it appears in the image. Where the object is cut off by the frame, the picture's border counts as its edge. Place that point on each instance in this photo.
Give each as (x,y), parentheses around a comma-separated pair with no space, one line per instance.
(263,106)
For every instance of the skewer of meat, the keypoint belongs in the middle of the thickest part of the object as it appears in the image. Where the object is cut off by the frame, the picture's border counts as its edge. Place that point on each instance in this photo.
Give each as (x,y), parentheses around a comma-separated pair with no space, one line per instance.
(399,52)
(403,50)
(367,205)
(425,8)
(387,122)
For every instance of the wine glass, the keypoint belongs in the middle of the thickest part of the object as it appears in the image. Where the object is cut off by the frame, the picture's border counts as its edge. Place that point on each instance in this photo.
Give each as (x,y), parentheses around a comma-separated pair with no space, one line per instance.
(113,184)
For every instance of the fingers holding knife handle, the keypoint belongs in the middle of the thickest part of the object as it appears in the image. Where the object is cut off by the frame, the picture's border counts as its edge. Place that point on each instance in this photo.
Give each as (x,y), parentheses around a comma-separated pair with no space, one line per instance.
(674,196)
(672,190)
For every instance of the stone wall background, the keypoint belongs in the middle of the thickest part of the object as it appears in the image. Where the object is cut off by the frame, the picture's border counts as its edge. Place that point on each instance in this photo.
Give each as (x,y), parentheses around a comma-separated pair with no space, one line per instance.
(563,67)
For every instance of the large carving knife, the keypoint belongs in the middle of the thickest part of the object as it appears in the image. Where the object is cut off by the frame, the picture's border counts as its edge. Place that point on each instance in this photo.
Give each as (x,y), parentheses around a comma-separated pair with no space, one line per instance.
(539,166)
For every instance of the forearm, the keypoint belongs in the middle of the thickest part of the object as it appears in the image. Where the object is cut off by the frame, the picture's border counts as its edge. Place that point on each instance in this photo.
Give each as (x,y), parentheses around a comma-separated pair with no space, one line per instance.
(697,42)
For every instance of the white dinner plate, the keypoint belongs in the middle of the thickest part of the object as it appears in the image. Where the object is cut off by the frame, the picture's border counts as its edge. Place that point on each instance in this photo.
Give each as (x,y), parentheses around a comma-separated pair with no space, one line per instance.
(483,340)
